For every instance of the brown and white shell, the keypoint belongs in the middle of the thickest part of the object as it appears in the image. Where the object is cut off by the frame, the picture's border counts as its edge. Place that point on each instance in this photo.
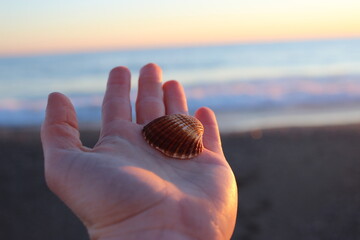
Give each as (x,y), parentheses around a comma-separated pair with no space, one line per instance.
(176,135)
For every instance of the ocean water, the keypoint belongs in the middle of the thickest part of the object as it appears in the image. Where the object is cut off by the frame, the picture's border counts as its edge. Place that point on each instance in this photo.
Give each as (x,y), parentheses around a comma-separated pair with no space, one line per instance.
(249,86)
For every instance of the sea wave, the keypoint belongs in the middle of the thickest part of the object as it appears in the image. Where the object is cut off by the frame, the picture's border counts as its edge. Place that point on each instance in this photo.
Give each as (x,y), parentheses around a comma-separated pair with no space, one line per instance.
(256,96)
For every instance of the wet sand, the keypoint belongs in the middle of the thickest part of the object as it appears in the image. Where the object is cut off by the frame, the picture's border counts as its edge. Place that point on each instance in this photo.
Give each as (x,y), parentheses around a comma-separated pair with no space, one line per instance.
(294,183)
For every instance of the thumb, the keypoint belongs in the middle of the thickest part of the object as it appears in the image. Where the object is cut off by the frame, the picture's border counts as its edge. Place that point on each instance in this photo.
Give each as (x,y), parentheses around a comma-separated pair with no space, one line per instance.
(60,128)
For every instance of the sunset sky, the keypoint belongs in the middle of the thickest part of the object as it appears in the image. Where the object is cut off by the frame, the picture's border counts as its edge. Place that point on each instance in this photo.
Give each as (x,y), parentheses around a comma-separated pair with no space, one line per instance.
(40,26)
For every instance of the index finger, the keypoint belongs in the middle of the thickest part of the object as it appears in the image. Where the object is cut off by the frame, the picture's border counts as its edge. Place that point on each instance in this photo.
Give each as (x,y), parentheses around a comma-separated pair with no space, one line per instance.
(116,104)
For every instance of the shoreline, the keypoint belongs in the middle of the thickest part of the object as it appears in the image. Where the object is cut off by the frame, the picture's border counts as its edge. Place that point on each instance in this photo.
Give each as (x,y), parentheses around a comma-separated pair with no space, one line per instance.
(251,120)
(6,130)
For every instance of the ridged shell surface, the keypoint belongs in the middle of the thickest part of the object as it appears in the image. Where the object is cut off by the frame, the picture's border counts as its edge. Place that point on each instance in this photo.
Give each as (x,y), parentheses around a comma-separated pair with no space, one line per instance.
(176,135)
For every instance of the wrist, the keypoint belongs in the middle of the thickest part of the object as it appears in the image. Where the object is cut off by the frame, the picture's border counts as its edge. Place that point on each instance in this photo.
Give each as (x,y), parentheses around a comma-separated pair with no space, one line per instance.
(150,235)
(172,223)
(147,235)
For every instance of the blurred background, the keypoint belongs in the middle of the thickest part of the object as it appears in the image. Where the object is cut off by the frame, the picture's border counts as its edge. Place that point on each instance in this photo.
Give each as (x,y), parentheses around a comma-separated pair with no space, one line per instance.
(282,76)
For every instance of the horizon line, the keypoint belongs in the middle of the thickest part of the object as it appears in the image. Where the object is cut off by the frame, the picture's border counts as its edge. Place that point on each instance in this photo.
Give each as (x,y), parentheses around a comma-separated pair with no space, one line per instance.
(170,46)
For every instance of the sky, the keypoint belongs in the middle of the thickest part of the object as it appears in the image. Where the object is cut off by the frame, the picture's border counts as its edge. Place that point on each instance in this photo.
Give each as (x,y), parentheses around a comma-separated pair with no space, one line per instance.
(48,26)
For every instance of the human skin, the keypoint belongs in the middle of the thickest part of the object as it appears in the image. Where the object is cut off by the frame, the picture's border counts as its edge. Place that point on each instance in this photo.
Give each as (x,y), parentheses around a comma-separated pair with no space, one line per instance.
(124,189)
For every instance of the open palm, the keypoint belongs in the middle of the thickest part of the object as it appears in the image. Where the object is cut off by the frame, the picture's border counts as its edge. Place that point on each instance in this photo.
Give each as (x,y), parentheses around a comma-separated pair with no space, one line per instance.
(123,188)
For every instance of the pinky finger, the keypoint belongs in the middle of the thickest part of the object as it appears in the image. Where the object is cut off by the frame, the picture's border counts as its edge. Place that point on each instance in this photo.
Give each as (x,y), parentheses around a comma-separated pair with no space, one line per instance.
(211,137)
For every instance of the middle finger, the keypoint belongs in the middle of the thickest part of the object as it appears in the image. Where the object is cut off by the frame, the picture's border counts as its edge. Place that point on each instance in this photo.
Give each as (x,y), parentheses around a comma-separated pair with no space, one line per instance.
(149,102)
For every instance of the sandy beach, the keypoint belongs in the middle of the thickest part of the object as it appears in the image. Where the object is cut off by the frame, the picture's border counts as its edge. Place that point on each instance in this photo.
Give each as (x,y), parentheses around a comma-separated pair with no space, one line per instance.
(294,183)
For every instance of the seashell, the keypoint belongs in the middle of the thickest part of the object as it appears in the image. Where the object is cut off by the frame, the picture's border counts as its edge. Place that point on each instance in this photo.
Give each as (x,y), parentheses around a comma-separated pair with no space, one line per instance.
(176,135)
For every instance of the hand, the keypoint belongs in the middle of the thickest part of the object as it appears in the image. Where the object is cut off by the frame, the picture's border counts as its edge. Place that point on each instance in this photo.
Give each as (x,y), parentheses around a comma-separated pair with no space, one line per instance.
(125,189)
